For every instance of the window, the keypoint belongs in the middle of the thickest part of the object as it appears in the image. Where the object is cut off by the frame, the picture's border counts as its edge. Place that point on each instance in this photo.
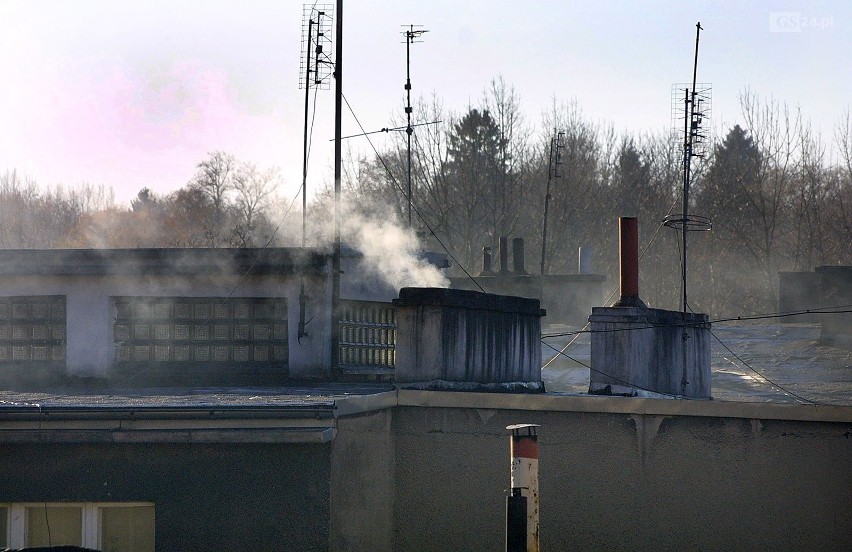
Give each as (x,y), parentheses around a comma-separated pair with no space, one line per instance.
(32,329)
(110,527)
(186,330)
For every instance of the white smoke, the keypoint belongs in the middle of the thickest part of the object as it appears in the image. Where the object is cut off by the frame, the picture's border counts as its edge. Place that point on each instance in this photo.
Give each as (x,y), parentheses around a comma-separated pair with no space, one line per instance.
(391,252)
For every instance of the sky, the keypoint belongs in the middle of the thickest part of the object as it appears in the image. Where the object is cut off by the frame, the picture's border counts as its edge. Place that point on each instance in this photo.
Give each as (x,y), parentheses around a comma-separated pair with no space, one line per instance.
(131,94)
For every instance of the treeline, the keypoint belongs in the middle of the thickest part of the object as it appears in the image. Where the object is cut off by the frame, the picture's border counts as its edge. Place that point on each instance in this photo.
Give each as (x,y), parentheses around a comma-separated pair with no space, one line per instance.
(776,201)
(227,203)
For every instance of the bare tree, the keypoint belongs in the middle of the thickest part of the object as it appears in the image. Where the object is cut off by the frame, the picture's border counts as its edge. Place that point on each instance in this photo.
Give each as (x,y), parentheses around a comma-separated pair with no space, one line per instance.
(214,177)
(253,189)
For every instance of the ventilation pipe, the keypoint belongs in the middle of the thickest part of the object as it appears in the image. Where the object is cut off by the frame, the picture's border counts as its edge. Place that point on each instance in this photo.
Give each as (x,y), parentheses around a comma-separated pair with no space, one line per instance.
(504,255)
(584,260)
(628,256)
(518,256)
(486,262)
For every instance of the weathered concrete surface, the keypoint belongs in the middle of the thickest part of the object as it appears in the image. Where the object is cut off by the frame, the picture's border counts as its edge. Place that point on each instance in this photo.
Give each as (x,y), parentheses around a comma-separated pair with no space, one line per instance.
(363,466)
(621,481)
(641,349)
(453,335)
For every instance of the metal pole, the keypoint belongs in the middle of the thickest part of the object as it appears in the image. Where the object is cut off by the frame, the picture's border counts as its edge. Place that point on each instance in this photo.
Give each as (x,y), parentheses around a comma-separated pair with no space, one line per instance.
(522,503)
(546,207)
(335,261)
(302,296)
(409,36)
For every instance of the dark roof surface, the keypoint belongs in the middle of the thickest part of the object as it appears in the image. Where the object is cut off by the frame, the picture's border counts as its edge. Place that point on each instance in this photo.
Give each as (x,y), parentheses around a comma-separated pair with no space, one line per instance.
(161,261)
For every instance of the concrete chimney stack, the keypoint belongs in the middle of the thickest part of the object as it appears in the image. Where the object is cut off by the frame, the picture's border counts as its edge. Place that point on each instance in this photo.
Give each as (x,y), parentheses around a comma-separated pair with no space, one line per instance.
(636,349)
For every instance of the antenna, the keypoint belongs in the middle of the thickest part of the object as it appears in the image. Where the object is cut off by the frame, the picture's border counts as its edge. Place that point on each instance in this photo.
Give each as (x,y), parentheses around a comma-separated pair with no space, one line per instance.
(314,71)
(554,164)
(411,36)
(696,107)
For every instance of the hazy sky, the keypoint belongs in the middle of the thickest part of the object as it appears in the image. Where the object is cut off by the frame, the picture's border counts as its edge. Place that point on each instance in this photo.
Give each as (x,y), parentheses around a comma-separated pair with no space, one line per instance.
(133,94)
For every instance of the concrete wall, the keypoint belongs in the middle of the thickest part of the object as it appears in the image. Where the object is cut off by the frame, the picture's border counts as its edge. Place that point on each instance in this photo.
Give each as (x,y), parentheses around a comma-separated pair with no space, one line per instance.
(638,349)
(90,312)
(362,483)
(616,474)
(207,497)
(799,291)
(466,337)
(836,283)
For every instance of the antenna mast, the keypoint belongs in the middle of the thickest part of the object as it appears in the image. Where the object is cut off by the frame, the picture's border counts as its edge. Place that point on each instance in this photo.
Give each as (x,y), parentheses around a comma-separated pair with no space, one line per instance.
(696,107)
(314,72)
(411,36)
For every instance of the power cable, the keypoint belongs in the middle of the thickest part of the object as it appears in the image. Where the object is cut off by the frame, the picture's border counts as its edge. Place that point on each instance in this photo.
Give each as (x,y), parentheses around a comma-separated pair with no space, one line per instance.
(844,309)
(763,377)
(405,194)
(619,380)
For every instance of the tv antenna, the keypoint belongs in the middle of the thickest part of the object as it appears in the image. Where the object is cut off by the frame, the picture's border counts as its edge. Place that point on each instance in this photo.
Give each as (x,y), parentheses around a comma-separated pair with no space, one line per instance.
(696,108)
(411,36)
(554,172)
(315,68)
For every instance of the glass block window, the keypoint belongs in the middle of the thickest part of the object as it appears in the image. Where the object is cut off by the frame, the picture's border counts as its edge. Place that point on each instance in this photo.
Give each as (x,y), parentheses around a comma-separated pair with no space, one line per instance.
(32,329)
(213,330)
(367,336)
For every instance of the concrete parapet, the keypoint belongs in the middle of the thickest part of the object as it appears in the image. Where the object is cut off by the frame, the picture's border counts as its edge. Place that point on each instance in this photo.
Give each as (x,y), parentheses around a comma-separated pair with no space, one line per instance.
(450,338)
(636,349)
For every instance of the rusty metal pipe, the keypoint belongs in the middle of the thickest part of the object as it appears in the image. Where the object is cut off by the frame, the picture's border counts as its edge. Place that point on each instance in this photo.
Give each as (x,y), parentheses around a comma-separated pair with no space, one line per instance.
(628,255)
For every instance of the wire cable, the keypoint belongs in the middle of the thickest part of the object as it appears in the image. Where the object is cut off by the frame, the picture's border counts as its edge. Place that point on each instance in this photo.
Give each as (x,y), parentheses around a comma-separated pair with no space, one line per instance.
(413,206)
(619,380)
(761,376)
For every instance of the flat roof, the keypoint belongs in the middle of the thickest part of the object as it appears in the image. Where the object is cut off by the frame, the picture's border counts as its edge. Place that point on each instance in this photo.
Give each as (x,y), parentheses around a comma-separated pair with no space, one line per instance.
(161,261)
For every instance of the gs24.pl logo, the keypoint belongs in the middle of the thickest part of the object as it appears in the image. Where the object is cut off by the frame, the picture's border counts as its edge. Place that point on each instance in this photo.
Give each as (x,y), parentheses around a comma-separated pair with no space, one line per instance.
(796,22)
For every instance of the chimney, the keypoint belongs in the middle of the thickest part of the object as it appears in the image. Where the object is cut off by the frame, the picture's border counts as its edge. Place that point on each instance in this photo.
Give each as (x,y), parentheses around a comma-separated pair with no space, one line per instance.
(504,255)
(628,263)
(639,350)
(585,260)
(467,340)
(486,262)
(518,256)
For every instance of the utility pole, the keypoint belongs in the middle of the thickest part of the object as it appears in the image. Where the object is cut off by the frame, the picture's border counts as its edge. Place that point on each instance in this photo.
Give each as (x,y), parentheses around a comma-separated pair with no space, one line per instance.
(553,163)
(335,261)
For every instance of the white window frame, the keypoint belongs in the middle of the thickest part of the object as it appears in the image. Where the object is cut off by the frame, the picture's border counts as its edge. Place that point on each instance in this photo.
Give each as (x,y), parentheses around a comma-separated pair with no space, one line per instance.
(16,525)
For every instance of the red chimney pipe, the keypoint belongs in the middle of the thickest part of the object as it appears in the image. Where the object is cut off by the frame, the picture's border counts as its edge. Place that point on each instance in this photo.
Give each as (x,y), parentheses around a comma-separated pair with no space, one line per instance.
(628,251)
